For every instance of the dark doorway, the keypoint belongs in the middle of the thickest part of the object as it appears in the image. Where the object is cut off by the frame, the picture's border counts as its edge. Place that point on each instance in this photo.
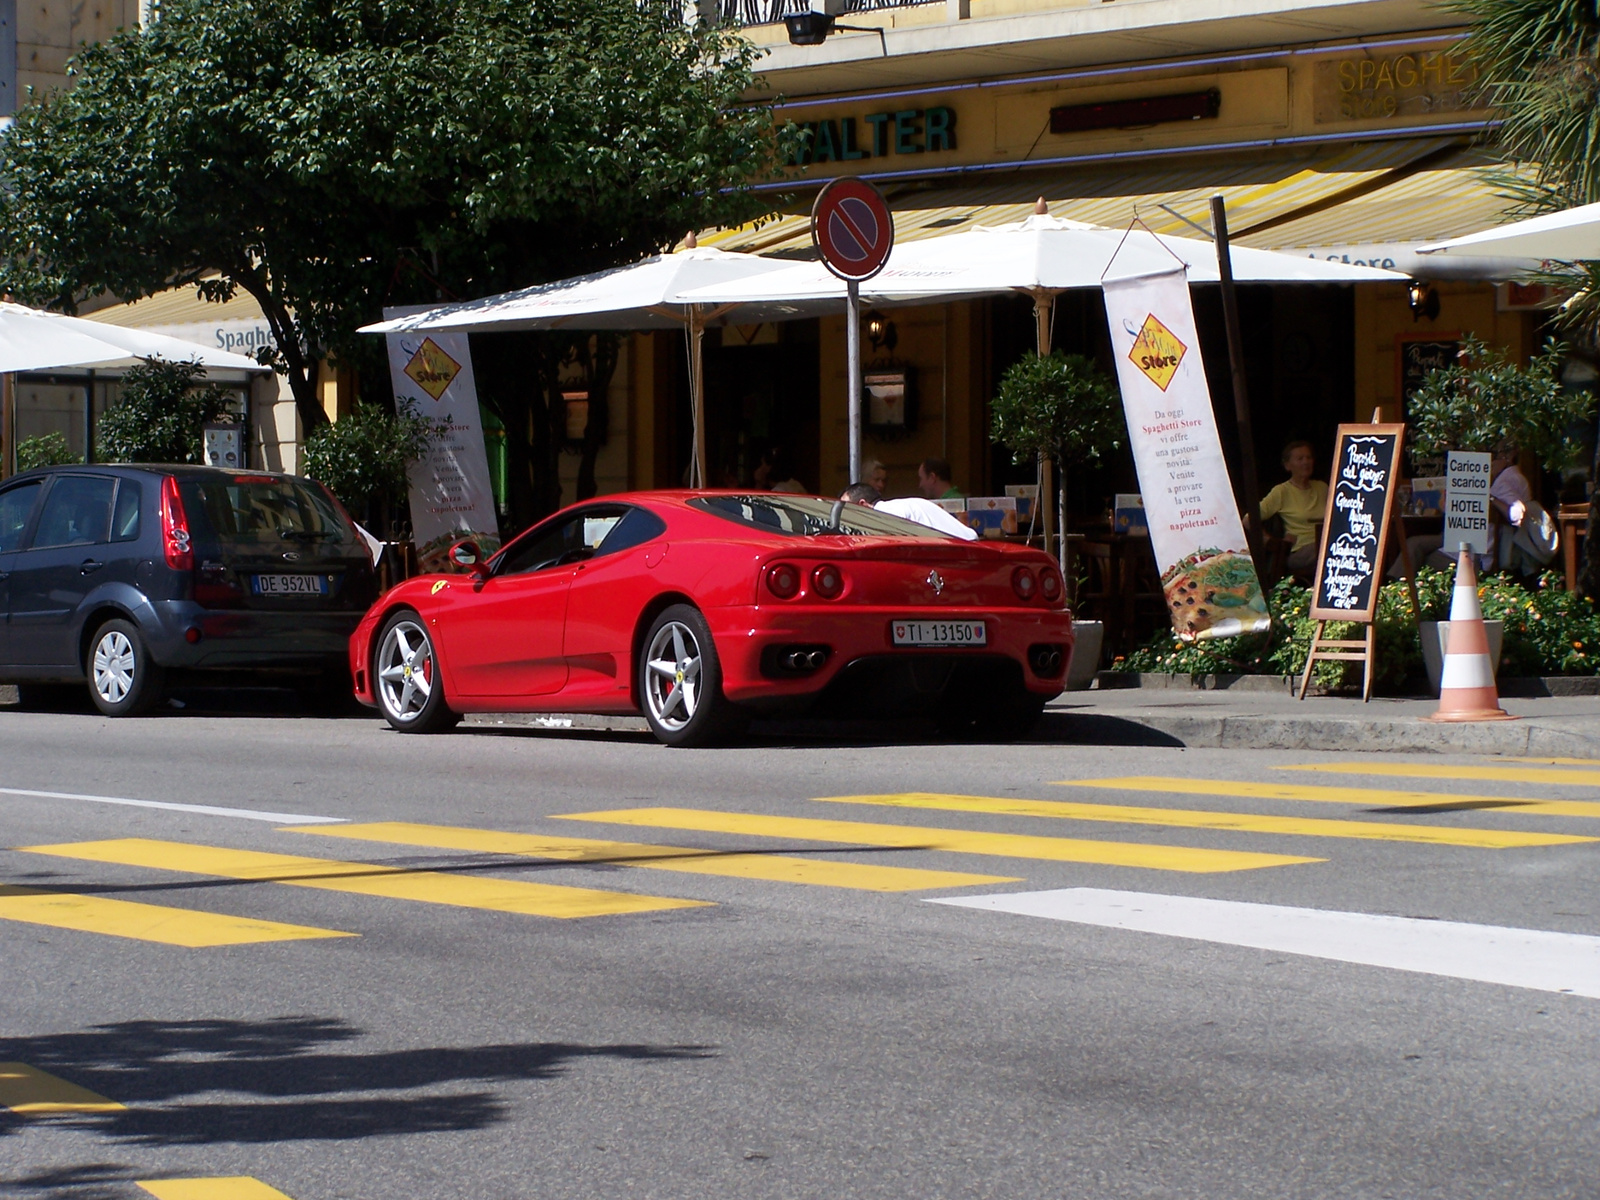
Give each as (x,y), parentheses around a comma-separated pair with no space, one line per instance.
(760,396)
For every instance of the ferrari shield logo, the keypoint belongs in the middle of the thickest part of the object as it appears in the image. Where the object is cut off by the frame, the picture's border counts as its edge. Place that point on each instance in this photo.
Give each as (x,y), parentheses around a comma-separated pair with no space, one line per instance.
(1157,352)
(432,369)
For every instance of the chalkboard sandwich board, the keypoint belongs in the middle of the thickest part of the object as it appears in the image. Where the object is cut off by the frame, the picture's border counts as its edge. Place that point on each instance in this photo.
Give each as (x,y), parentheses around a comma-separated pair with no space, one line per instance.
(1355,528)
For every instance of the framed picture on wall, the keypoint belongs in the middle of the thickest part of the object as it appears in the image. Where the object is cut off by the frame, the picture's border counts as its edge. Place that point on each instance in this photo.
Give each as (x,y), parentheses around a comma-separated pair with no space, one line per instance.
(888,400)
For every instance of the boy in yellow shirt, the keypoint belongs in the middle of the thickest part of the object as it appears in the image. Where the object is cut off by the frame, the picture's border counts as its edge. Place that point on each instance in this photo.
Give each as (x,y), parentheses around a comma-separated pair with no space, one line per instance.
(1301,501)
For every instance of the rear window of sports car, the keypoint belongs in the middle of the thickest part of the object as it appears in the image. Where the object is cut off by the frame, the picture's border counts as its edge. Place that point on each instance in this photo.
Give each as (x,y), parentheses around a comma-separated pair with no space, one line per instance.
(806,516)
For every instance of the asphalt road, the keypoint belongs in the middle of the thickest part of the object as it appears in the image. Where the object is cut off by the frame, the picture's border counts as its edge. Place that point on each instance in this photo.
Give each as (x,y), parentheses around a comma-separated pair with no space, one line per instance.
(391,1009)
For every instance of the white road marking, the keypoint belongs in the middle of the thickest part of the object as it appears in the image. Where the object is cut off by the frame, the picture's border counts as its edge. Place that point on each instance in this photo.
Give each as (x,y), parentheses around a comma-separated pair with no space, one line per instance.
(204,810)
(1525,958)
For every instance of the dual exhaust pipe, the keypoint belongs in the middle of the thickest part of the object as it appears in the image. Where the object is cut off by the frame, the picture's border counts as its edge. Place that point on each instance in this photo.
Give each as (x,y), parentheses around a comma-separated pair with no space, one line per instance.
(804,658)
(1046,660)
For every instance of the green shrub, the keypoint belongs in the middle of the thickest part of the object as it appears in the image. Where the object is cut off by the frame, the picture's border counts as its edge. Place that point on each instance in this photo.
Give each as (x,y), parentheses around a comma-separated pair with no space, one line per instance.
(364,456)
(46,450)
(161,415)
(1548,631)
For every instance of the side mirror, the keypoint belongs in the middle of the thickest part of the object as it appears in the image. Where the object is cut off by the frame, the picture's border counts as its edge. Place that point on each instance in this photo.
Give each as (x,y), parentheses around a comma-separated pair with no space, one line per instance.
(466,556)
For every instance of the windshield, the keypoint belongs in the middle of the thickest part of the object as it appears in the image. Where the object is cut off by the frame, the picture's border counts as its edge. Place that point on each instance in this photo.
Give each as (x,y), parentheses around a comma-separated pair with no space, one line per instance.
(260,510)
(807,516)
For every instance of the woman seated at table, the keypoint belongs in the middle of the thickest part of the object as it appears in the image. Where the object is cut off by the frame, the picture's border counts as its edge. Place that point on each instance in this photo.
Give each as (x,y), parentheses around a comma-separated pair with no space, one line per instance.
(1300,502)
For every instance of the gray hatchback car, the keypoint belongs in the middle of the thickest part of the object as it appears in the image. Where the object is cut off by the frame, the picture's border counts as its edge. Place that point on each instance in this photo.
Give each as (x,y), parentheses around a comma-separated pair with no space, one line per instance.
(133,576)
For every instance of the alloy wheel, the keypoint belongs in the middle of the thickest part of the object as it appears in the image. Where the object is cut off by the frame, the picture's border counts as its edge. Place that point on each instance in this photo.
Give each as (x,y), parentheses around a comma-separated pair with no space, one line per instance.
(672,683)
(405,671)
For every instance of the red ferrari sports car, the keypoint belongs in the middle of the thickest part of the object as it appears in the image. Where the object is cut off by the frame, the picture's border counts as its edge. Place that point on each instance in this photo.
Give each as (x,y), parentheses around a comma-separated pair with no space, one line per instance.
(700,609)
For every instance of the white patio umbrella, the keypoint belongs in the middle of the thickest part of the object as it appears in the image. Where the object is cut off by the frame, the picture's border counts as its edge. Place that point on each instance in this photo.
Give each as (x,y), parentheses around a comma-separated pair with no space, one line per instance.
(1569,236)
(1041,256)
(646,295)
(33,340)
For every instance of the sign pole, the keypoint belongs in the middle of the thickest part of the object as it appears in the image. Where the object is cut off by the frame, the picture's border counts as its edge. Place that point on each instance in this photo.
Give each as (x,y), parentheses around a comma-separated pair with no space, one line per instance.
(852,342)
(853,230)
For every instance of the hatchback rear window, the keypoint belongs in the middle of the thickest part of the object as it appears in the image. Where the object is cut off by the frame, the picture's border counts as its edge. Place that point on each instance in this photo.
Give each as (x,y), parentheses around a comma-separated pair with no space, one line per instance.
(261,511)
(806,516)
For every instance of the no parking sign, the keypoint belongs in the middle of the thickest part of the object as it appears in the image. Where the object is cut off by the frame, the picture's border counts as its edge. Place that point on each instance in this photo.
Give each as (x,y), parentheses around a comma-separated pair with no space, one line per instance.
(852,228)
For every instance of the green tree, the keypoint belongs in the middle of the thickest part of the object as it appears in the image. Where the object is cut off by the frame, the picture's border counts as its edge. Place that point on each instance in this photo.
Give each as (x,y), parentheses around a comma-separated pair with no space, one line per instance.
(161,415)
(1485,400)
(331,156)
(364,456)
(1539,62)
(1061,407)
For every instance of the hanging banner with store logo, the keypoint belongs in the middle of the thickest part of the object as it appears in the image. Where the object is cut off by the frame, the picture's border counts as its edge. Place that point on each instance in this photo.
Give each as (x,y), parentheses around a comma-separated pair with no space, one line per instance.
(451,497)
(1206,571)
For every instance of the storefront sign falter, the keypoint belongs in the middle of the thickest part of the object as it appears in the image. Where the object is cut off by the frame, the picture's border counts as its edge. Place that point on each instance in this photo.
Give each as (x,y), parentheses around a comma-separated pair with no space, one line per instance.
(878,135)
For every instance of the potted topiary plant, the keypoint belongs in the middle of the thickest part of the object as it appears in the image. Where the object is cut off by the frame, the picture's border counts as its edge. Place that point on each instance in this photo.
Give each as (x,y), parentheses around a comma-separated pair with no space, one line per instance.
(1065,411)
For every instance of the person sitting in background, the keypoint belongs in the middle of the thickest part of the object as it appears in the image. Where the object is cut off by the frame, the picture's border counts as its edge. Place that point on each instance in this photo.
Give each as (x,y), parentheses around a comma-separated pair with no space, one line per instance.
(876,475)
(1300,502)
(910,508)
(772,473)
(933,480)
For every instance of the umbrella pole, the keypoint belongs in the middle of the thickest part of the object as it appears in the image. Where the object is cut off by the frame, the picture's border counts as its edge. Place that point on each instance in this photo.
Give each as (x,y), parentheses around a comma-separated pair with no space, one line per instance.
(1248,491)
(1044,303)
(697,387)
(852,342)
(8,425)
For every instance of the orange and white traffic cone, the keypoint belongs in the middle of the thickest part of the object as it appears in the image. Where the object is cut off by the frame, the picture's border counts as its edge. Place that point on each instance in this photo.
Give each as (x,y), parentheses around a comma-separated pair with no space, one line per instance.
(1466,686)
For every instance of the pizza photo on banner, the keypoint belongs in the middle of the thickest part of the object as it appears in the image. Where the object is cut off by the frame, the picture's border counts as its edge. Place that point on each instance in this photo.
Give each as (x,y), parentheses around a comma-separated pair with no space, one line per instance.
(1206,571)
(451,497)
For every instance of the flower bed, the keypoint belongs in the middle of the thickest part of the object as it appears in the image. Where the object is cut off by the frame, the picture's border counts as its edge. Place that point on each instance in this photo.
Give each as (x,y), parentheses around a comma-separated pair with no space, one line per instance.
(1548,631)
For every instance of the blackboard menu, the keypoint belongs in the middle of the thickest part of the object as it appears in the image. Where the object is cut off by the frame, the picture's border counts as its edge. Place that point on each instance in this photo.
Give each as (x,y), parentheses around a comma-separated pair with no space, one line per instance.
(1355,528)
(1417,358)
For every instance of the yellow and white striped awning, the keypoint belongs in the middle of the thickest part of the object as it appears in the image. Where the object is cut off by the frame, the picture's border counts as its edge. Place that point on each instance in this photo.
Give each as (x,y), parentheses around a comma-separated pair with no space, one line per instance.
(1408,191)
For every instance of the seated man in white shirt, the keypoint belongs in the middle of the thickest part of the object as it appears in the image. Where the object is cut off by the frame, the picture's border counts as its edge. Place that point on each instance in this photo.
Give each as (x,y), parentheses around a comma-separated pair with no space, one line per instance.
(910,508)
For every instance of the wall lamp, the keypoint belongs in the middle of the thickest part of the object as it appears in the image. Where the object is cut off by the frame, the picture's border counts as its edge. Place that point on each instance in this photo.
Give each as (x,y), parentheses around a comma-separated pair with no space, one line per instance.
(1424,301)
(812,28)
(881,331)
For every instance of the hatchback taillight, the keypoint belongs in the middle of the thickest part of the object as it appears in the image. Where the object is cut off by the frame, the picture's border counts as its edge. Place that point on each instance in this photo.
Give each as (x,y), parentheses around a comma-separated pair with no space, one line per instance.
(783,580)
(1023,583)
(175,527)
(827,582)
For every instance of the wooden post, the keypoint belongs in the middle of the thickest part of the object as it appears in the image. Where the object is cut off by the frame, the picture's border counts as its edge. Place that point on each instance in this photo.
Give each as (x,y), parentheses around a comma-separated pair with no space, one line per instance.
(1248,490)
(1043,306)
(8,425)
(697,390)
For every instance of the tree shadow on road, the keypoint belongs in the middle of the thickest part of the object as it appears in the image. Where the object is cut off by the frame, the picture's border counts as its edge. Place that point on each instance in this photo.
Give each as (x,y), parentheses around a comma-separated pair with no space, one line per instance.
(288,1078)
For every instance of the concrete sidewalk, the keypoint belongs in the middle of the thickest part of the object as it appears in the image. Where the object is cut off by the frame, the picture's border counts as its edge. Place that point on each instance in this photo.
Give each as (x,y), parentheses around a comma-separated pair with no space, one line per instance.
(1558,727)
(1555,726)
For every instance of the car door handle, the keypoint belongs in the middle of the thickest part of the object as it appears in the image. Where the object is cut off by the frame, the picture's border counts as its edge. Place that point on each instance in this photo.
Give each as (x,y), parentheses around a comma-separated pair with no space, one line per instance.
(90,565)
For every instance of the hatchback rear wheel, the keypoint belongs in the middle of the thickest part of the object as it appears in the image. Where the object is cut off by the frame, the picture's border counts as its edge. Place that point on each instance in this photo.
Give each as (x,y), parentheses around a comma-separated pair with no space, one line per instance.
(405,674)
(124,681)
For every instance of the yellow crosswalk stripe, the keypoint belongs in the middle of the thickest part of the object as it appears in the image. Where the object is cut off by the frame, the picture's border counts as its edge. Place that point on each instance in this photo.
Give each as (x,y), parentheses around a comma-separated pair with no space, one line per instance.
(775,868)
(1549,775)
(219,1187)
(146,922)
(1421,801)
(1185,818)
(1557,762)
(368,879)
(954,841)
(30,1091)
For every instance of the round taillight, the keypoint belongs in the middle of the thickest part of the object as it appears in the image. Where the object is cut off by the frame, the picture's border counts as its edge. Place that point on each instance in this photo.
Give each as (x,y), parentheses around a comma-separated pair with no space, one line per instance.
(1023,583)
(1050,585)
(783,581)
(827,582)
